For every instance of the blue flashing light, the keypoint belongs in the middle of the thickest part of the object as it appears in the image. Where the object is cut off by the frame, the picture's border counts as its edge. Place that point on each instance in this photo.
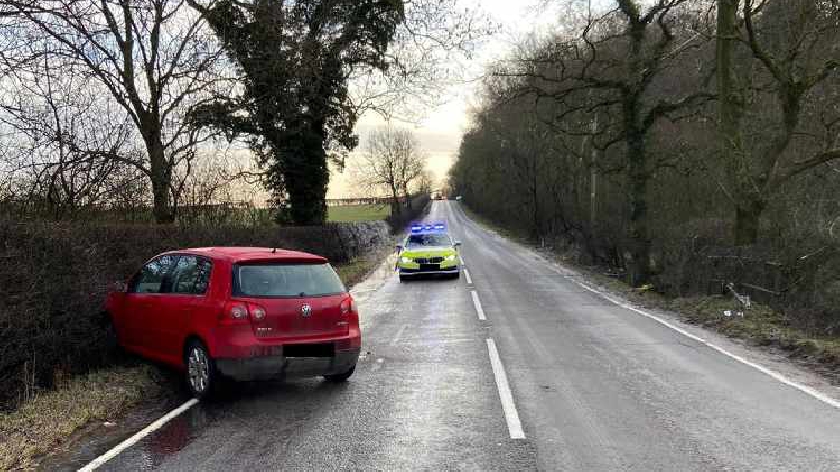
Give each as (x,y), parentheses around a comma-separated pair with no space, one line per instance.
(428,228)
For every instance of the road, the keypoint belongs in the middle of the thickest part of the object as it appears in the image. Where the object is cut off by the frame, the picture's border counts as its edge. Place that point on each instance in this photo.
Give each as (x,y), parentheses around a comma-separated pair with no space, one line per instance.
(592,385)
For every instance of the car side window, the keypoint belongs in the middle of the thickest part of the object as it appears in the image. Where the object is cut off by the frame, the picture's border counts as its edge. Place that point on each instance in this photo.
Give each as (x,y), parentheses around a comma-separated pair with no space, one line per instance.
(191,275)
(151,277)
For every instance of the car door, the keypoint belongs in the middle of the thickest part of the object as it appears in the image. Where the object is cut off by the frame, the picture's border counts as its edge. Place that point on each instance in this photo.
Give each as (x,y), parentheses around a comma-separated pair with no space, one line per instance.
(143,300)
(189,286)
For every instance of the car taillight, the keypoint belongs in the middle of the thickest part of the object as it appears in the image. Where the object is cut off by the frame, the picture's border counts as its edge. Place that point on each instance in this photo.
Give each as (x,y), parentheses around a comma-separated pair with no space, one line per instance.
(235,313)
(257,312)
(348,305)
(238,312)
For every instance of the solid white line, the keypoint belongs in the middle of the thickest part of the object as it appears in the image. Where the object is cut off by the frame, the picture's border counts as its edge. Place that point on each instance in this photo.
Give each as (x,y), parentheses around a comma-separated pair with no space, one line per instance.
(508,405)
(779,377)
(467,276)
(138,436)
(477,305)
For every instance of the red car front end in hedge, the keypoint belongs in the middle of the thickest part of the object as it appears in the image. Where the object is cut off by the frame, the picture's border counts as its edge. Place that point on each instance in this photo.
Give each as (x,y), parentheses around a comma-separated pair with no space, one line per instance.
(239,312)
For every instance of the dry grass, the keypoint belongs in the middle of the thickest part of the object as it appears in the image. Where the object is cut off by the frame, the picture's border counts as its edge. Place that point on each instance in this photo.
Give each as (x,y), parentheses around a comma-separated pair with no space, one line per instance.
(760,325)
(50,418)
(359,268)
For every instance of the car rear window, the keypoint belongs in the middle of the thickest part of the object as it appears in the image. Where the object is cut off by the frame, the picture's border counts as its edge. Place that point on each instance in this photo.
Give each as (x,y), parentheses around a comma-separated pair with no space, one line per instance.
(285,280)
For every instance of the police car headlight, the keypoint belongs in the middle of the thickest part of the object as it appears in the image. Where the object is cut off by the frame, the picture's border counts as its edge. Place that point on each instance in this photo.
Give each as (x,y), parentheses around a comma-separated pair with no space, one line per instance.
(450,257)
(405,260)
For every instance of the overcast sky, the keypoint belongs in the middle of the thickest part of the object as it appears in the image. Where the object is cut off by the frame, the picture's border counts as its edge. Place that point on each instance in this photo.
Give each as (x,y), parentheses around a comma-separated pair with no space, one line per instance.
(440,132)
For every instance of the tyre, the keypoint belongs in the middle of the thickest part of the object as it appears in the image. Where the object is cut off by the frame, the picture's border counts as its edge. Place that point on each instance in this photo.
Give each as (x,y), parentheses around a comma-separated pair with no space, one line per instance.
(456,275)
(202,377)
(403,278)
(338,378)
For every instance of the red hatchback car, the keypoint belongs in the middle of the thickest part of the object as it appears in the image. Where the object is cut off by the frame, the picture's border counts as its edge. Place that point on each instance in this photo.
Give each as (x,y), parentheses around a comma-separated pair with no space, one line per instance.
(240,312)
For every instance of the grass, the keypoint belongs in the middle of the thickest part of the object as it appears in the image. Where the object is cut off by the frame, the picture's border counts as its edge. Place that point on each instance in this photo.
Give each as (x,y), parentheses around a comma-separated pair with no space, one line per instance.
(50,418)
(358,212)
(358,269)
(760,326)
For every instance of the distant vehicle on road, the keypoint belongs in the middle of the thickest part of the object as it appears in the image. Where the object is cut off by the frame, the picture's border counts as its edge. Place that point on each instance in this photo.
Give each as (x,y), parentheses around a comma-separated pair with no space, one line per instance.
(428,250)
(458,198)
(243,313)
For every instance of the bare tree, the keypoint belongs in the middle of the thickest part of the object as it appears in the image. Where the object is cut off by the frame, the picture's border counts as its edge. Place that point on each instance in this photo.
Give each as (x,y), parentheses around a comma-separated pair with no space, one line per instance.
(794,44)
(392,163)
(64,144)
(611,69)
(155,59)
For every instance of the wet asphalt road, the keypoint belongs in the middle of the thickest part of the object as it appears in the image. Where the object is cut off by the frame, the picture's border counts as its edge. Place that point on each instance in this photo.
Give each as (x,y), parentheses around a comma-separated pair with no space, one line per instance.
(596,386)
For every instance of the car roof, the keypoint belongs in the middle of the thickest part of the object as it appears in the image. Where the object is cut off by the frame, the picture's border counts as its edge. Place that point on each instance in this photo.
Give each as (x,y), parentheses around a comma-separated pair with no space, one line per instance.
(238,254)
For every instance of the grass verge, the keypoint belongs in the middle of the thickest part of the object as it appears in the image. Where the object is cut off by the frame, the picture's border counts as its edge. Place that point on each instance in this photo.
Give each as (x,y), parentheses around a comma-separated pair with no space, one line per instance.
(358,269)
(358,212)
(44,422)
(760,326)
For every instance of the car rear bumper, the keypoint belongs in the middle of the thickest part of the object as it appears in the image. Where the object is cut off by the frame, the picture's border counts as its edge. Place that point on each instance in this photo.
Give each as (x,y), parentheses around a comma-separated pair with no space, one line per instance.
(280,365)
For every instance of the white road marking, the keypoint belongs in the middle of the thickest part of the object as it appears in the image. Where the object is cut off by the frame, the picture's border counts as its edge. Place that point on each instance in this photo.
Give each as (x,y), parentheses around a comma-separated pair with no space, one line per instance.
(777,376)
(505,396)
(467,275)
(99,461)
(477,304)
(397,336)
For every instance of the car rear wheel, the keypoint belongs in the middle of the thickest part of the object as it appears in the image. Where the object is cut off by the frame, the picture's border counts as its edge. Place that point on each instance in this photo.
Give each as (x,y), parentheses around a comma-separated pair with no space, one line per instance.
(201,370)
(338,378)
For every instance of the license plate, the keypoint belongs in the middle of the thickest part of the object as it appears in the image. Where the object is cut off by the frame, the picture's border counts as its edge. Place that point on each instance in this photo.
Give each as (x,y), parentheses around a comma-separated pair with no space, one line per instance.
(429,266)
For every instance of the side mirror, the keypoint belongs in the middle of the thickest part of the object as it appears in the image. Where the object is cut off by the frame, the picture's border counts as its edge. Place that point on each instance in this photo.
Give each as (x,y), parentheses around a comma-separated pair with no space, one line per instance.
(457,244)
(118,287)
(399,248)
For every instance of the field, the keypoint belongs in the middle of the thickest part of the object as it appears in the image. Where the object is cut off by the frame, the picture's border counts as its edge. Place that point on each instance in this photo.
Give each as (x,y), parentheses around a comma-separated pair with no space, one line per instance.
(358,212)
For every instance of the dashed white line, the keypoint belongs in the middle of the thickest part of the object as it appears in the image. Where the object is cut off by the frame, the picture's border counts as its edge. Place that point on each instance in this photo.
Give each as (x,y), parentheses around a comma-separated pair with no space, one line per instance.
(505,396)
(467,276)
(99,461)
(777,376)
(477,305)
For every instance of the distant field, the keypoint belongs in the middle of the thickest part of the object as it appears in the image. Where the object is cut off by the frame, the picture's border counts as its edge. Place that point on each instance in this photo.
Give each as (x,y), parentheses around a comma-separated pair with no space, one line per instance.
(358,212)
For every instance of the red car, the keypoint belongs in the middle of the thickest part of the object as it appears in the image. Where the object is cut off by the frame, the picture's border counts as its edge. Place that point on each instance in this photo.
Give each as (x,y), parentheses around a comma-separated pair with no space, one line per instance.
(240,312)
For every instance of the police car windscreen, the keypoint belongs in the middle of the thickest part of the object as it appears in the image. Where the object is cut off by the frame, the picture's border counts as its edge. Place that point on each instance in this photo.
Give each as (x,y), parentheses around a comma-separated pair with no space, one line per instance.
(429,240)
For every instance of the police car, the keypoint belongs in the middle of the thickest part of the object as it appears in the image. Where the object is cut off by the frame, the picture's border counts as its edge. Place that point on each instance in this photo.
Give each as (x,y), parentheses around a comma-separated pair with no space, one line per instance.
(428,250)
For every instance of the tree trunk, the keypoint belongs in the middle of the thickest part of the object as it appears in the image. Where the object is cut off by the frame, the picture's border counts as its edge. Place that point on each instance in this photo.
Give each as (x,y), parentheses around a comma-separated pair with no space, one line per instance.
(395,201)
(161,175)
(639,269)
(306,175)
(730,113)
(747,220)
